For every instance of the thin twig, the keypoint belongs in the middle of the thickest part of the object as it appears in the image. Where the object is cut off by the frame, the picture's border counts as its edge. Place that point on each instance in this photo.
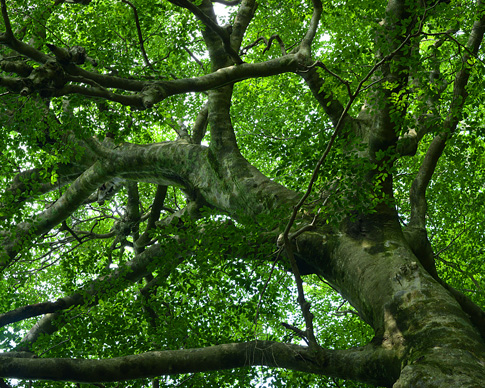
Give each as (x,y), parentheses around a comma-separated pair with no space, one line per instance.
(264,289)
(140,35)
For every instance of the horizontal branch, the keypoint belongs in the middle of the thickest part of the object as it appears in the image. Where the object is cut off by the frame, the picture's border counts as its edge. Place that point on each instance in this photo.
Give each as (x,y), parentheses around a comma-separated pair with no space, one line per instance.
(150,93)
(357,364)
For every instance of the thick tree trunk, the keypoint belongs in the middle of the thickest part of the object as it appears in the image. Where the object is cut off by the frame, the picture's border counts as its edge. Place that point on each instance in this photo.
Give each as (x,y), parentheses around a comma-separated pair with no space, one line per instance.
(412,314)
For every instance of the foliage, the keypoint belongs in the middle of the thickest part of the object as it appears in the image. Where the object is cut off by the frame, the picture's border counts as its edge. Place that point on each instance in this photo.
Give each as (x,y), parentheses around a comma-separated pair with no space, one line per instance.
(220,277)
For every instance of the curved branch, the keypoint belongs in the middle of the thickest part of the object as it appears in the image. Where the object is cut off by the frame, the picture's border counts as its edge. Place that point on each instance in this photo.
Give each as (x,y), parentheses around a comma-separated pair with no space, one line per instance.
(372,365)
(171,163)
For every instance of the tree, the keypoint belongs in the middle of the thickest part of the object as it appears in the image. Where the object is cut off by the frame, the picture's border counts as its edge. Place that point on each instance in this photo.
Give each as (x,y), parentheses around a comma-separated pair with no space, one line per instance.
(288,193)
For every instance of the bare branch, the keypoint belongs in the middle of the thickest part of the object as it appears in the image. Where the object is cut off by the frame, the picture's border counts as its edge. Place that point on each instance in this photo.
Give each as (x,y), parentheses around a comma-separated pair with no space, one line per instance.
(267,42)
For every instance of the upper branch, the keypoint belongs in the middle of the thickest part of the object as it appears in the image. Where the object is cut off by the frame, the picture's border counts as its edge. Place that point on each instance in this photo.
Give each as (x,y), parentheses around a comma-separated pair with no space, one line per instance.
(140,35)
(244,16)
(305,45)
(435,150)
(149,93)
(221,32)
(6,20)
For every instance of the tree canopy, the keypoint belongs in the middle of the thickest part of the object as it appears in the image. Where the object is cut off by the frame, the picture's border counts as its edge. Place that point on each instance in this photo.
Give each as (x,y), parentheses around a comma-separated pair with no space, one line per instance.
(199,193)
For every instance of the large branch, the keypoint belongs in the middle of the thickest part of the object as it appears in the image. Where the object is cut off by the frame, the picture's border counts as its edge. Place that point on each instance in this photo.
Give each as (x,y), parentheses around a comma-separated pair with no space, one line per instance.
(30,183)
(188,166)
(149,93)
(435,150)
(72,198)
(244,16)
(371,365)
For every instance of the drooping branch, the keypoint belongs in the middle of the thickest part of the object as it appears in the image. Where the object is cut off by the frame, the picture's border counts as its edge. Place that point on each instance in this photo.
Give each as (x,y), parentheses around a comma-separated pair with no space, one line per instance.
(372,365)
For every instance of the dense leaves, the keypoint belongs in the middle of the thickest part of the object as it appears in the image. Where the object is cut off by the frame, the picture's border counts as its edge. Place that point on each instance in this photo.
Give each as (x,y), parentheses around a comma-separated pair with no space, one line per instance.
(145,223)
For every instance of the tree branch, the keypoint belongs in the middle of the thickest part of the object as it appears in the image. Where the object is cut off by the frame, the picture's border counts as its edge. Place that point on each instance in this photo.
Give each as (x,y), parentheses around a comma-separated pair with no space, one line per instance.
(305,45)
(244,16)
(200,125)
(6,20)
(418,189)
(140,35)
(371,365)
(221,32)
(155,212)
(73,197)
(91,293)
(151,93)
